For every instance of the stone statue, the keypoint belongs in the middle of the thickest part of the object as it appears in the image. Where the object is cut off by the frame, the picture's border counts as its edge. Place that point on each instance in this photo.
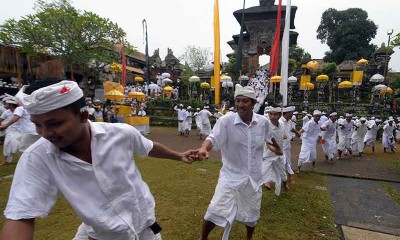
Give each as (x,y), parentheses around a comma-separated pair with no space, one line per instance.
(267,3)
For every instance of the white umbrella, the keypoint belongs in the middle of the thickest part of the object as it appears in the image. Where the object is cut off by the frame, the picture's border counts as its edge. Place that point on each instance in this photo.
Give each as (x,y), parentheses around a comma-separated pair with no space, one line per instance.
(243,78)
(166,81)
(377,78)
(165,75)
(226,79)
(227,84)
(292,79)
(194,79)
(379,87)
(153,86)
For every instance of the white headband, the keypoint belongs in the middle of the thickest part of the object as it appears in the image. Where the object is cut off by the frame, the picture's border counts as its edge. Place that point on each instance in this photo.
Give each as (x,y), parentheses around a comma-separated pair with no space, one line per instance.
(275,109)
(49,98)
(289,109)
(245,91)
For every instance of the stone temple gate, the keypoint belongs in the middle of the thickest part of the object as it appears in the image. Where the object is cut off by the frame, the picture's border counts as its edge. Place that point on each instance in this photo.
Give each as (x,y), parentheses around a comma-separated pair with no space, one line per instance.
(259,29)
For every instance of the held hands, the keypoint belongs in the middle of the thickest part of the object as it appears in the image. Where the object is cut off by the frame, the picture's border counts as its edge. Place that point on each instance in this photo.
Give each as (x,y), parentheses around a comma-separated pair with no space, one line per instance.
(190,156)
(203,154)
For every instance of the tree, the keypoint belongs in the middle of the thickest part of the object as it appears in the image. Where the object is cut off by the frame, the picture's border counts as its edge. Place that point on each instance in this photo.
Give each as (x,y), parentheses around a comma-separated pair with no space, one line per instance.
(230,67)
(348,34)
(196,57)
(297,57)
(58,29)
(395,41)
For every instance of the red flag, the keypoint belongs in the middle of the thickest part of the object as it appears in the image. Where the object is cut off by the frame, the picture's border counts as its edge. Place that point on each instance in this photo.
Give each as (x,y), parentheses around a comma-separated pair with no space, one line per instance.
(123,60)
(274,55)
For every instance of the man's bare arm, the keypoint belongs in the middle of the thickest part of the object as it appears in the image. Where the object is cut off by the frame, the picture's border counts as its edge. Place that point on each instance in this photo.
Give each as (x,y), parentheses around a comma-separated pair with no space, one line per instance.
(18,229)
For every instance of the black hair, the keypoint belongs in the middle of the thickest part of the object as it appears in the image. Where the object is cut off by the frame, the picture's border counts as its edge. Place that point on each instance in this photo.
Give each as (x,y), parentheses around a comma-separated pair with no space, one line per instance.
(74,107)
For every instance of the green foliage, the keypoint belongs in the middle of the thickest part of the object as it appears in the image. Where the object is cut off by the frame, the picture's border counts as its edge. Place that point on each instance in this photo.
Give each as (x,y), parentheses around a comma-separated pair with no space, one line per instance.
(329,68)
(395,41)
(196,57)
(59,29)
(348,33)
(230,66)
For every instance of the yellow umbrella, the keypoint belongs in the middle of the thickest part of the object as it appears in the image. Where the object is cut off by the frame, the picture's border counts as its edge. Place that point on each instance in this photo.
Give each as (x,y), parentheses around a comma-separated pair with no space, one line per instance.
(312,65)
(114,95)
(387,90)
(362,61)
(345,84)
(168,88)
(205,85)
(137,95)
(139,79)
(308,86)
(276,79)
(322,78)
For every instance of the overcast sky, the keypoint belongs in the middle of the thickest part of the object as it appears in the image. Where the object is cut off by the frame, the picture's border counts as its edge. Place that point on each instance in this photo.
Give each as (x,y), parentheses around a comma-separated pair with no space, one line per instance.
(179,23)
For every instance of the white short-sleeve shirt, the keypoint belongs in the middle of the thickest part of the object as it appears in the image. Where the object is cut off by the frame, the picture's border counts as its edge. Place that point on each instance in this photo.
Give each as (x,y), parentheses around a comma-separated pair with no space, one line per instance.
(108,195)
(27,126)
(242,148)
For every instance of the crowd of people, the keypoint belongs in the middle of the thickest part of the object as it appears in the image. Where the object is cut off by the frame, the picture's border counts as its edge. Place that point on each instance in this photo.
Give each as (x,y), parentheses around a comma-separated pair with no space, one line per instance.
(75,157)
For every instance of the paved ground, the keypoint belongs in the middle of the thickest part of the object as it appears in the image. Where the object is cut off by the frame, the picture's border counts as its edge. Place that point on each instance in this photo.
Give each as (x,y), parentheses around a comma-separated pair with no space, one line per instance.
(364,204)
(359,201)
(360,234)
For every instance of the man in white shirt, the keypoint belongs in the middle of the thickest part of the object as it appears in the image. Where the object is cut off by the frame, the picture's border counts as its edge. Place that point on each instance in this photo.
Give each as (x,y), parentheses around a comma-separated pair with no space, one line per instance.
(199,121)
(188,121)
(345,130)
(205,118)
(329,145)
(372,133)
(13,133)
(181,118)
(310,133)
(76,158)
(357,138)
(286,122)
(27,128)
(387,135)
(273,166)
(241,136)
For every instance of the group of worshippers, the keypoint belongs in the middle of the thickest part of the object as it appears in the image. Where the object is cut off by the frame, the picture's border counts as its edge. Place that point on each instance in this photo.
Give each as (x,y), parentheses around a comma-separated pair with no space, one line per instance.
(201,117)
(75,157)
(354,135)
(17,127)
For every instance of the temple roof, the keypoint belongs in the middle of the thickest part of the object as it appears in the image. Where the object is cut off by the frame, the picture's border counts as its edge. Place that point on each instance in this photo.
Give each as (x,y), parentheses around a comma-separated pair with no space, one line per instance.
(265,13)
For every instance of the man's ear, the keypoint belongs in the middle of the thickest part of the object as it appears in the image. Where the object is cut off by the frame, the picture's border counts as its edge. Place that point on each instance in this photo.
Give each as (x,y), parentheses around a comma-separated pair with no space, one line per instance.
(84,116)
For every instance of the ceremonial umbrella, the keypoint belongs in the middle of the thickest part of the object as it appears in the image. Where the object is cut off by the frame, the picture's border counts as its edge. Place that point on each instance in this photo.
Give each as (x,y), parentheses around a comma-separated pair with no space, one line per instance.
(114,95)
(139,79)
(136,95)
(377,78)
(345,84)
(194,79)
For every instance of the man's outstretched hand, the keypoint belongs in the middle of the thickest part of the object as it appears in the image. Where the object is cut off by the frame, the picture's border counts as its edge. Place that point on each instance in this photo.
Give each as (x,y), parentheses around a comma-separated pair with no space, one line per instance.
(190,156)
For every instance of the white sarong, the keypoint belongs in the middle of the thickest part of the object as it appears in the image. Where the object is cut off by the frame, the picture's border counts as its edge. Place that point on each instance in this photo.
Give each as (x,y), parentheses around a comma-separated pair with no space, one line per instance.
(230,204)
(307,154)
(273,170)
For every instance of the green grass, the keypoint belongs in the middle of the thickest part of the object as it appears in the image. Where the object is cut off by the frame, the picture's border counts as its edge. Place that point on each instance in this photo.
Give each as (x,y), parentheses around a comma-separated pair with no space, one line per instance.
(392,191)
(183,192)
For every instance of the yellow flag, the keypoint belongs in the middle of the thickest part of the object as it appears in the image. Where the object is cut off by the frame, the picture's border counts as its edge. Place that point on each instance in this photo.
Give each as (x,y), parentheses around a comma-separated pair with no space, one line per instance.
(217,51)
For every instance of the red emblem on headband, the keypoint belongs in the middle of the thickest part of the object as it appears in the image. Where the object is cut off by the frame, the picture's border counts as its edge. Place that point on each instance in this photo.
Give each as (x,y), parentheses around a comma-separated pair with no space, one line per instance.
(64,89)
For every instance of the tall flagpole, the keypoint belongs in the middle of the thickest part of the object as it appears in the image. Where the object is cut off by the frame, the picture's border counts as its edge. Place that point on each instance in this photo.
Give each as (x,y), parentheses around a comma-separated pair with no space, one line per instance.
(144,23)
(239,51)
(285,55)
(217,52)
